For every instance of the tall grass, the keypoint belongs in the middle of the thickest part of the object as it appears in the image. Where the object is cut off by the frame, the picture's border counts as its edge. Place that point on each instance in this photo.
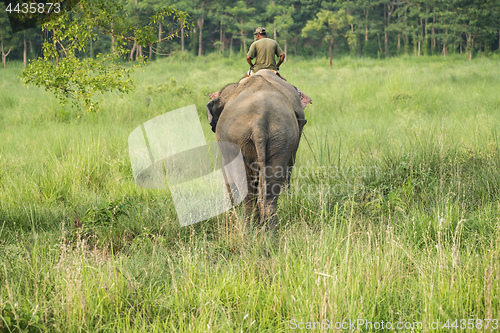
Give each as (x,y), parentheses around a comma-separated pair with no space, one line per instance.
(392,212)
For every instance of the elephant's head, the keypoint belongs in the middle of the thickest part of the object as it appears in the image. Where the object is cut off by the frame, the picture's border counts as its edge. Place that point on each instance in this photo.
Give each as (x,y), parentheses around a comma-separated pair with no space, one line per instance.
(217,103)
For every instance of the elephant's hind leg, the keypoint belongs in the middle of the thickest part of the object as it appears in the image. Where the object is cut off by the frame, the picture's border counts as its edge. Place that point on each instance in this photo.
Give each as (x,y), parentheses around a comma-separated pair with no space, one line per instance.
(251,207)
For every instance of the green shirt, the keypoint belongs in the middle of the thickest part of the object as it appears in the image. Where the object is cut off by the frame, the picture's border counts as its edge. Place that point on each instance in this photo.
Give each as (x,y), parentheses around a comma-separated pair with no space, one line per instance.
(263,51)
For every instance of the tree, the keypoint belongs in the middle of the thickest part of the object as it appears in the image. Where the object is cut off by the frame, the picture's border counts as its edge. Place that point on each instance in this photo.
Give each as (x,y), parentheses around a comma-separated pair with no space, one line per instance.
(6,36)
(141,11)
(408,18)
(428,25)
(281,15)
(389,7)
(330,25)
(219,14)
(63,73)
(447,31)
(355,8)
(475,21)
(241,12)
(200,21)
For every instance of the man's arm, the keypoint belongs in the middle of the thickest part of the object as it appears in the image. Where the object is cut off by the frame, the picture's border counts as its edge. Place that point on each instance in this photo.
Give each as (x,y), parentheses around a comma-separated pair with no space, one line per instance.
(249,60)
(282,58)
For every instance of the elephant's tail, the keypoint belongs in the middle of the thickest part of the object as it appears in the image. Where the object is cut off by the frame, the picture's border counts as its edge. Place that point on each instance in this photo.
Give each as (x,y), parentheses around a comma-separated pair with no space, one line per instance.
(260,147)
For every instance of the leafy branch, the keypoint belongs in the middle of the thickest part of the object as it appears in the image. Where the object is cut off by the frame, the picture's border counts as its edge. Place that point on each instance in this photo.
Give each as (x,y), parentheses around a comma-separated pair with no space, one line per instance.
(69,77)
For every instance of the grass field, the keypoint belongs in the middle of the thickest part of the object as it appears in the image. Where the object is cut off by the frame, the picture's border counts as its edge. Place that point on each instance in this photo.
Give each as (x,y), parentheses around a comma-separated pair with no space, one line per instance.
(392,214)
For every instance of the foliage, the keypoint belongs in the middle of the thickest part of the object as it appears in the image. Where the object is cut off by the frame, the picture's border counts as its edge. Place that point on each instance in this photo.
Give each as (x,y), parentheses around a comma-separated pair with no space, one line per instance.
(63,73)
(329,25)
(378,28)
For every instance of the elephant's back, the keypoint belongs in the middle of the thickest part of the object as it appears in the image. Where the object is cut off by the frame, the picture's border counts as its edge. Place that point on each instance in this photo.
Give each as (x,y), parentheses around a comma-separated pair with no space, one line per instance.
(260,115)
(286,89)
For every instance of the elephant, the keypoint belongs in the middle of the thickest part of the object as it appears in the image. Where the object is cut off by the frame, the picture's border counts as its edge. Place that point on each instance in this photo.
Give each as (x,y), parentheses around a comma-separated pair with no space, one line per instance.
(262,114)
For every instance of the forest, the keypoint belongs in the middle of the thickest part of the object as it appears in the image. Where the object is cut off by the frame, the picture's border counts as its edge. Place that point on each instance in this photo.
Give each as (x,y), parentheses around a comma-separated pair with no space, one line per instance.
(309,28)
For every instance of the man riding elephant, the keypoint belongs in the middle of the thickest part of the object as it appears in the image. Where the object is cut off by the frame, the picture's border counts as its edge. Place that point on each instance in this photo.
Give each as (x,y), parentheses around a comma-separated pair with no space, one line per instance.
(264,50)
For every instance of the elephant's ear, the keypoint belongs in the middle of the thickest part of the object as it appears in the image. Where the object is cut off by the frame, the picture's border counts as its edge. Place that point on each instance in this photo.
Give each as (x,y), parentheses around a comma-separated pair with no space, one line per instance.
(214,109)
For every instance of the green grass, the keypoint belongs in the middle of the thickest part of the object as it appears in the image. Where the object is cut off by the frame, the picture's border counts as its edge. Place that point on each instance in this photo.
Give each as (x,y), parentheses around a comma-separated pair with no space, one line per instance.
(392,213)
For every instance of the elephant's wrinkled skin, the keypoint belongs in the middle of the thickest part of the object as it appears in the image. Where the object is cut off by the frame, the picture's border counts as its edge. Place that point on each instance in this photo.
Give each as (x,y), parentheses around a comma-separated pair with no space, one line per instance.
(260,116)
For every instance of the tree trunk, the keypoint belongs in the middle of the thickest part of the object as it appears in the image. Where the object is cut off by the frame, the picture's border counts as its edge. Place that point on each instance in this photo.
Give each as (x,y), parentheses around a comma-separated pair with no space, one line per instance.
(275,32)
(330,51)
(445,51)
(182,35)
(399,43)
(386,44)
(55,46)
(201,21)
(231,46)
(406,41)
(132,51)
(366,11)
(159,35)
(386,35)
(150,52)
(45,37)
(379,45)
(415,42)
(243,45)
(221,38)
(25,55)
(433,35)
(426,35)
(4,55)
(358,46)
(335,46)
(385,31)
(470,45)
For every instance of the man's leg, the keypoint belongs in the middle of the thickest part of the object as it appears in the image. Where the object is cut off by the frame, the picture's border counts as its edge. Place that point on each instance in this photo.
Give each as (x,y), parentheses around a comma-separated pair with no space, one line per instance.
(279,75)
